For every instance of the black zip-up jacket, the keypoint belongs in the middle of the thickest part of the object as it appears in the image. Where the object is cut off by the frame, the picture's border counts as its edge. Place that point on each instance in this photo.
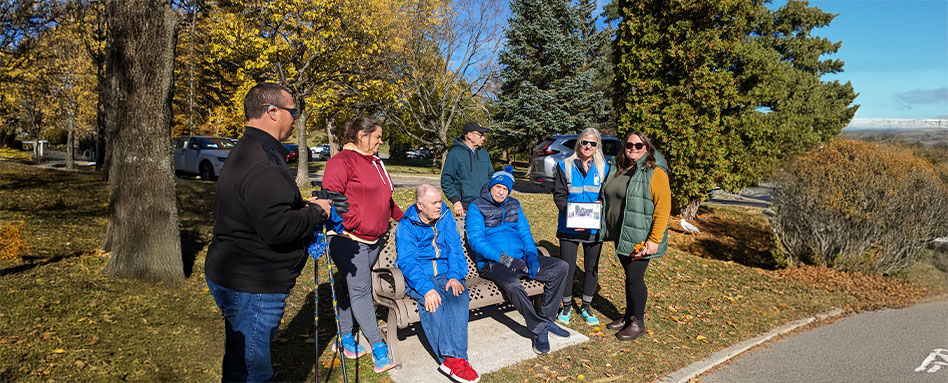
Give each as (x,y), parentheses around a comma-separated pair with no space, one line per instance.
(263,225)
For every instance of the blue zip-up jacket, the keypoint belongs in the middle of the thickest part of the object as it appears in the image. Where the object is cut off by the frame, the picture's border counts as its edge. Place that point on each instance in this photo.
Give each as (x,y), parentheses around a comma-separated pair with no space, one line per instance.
(495,228)
(426,250)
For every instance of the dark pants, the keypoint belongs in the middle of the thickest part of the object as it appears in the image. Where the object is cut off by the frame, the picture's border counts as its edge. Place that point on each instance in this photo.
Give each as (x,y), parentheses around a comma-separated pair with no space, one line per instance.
(552,271)
(568,252)
(251,322)
(636,293)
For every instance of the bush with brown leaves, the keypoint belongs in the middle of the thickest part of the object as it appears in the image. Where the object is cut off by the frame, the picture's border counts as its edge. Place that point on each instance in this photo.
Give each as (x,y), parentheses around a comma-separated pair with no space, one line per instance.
(858,206)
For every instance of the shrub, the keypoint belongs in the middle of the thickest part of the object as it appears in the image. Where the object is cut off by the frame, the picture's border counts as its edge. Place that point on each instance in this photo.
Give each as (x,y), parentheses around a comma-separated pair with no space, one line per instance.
(11,240)
(858,206)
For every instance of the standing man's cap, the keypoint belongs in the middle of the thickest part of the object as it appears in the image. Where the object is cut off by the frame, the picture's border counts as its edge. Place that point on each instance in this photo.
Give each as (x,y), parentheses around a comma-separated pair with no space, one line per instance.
(474,127)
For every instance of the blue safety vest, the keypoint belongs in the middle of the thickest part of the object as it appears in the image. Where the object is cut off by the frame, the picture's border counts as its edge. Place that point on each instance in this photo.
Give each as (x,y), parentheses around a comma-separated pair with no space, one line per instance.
(581,189)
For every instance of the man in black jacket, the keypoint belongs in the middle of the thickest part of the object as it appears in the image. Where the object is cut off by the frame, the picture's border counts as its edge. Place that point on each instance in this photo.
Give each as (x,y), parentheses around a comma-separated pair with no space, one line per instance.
(263,227)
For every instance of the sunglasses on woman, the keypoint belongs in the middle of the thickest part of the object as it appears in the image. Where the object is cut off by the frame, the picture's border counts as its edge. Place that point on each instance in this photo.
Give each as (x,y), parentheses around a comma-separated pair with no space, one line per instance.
(636,145)
(592,144)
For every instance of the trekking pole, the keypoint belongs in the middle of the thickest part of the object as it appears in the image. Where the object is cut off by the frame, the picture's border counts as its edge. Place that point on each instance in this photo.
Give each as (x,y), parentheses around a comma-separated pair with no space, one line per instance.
(316,249)
(335,309)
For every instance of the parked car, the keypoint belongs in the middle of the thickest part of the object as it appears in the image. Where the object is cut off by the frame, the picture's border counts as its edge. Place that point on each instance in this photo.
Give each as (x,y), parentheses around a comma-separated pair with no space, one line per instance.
(294,153)
(320,152)
(556,148)
(418,154)
(201,155)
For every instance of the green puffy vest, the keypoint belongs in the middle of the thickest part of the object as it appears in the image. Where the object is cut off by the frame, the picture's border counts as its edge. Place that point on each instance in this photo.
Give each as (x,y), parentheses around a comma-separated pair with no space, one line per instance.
(637,217)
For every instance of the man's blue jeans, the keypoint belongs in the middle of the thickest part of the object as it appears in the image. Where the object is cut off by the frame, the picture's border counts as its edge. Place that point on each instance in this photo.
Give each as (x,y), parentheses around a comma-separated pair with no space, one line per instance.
(446,327)
(251,322)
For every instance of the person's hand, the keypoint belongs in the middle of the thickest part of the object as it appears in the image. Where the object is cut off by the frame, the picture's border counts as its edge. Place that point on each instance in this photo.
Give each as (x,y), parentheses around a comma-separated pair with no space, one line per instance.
(650,247)
(459,209)
(323,203)
(432,301)
(454,286)
(517,265)
(339,201)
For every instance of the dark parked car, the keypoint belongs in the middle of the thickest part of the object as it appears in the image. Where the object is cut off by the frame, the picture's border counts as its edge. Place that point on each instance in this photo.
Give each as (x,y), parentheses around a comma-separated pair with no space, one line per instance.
(418,154)
(556,148)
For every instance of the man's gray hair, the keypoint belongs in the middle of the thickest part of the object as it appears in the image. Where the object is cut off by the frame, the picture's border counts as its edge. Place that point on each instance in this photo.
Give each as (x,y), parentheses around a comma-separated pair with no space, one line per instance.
(425,189)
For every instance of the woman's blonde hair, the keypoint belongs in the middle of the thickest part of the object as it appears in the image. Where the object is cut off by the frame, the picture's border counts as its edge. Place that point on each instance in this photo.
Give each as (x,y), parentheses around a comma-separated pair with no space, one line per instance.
(598,158)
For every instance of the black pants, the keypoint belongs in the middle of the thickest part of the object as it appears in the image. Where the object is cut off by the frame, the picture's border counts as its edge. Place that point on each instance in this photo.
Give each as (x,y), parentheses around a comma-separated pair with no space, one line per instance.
(552,271)
(568,252)
(636,293)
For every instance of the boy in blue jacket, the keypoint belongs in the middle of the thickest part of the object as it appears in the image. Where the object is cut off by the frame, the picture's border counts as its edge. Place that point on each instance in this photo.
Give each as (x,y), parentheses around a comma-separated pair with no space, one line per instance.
(431,258)
(500,237)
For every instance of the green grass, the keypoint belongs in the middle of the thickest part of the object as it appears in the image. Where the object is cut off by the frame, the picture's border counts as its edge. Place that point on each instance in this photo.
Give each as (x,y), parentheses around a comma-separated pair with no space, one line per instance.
(64,320)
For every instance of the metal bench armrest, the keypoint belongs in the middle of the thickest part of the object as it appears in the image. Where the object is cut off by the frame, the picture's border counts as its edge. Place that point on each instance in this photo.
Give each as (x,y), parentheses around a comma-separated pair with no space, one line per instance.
(543,251)
(397,278)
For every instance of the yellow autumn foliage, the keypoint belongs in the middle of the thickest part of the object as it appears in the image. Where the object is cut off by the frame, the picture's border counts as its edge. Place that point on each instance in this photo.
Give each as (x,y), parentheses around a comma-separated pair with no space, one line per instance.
(11,240)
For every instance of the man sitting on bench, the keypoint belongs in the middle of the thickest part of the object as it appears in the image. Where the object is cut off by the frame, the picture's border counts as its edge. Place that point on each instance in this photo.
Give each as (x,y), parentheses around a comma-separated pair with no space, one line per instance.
(431,258)
(500,237)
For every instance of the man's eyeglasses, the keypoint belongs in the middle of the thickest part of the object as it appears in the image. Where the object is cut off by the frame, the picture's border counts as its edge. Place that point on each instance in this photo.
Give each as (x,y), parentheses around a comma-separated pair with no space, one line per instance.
(292,111)
(635,145)
(589,143)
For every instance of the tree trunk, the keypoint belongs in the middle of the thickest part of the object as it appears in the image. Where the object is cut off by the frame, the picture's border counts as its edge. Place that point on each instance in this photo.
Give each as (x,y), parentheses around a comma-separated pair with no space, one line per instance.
(101,134)
(302,165)
(71,141)
(691,210)
(143,231)
(331,135)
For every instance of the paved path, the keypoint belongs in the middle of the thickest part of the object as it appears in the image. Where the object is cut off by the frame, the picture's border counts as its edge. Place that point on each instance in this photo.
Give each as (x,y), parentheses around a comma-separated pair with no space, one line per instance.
(892,345)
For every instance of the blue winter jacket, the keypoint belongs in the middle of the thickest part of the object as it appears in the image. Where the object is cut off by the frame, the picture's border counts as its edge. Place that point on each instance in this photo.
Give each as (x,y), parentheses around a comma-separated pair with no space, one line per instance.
(496,228)
(426,250)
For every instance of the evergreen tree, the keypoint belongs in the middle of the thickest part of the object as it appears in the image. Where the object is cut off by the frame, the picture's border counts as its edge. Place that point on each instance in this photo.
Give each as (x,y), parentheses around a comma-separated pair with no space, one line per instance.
(548,70)
(726,89)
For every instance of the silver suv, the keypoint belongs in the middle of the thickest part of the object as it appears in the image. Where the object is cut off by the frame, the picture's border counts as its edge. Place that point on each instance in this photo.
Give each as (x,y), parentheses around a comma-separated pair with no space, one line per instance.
(556,148)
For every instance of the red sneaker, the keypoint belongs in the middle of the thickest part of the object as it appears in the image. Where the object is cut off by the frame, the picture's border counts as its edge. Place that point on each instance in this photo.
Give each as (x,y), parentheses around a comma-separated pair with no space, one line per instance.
(449,365)
(464,373)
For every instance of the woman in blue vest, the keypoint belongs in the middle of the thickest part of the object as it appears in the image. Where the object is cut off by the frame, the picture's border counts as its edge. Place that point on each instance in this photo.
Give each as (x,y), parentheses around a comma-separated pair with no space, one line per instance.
(579,178)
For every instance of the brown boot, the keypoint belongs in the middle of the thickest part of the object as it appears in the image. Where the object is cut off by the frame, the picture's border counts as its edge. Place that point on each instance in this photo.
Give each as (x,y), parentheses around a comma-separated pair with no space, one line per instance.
(617,324)
(632,331)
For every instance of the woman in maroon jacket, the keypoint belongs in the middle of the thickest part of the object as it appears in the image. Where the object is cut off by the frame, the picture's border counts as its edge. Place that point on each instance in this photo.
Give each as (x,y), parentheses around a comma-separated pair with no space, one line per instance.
(359,174)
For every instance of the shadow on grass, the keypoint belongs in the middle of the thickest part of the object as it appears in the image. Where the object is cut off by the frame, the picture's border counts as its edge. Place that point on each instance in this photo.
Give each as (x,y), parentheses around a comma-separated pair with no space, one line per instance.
(45,261)
(600,303)
(727,238)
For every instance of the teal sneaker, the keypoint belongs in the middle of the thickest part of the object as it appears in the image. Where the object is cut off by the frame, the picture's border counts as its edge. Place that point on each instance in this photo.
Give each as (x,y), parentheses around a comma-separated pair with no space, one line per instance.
(588,316)
(350,349)
(563,316)
(380,357)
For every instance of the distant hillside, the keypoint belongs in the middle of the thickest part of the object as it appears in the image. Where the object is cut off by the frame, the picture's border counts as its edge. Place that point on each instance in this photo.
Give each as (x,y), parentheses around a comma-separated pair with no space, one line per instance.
(929,137)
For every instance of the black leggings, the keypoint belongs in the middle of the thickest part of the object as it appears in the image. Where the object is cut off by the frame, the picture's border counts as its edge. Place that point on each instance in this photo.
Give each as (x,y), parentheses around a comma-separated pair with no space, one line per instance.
(636,293)
(568,252)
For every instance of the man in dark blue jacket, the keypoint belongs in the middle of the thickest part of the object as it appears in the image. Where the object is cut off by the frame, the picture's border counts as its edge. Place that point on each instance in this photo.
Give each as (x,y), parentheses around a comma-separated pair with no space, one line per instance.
(431,258)
(500,237)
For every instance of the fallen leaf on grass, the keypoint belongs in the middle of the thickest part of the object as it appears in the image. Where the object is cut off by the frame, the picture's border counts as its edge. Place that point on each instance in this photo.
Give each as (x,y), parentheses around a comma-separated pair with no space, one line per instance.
(332,363)
(80,363)
(58,351)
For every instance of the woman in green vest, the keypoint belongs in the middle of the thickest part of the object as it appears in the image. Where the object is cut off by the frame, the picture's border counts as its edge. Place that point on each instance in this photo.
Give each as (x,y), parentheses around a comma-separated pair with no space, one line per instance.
(637,207)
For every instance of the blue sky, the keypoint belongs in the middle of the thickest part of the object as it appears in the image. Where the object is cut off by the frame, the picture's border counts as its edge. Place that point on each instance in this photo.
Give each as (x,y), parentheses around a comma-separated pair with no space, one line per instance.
(896,54)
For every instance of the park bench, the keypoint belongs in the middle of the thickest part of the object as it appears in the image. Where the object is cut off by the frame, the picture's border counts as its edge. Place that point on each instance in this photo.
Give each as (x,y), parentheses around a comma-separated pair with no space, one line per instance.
(389,289)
